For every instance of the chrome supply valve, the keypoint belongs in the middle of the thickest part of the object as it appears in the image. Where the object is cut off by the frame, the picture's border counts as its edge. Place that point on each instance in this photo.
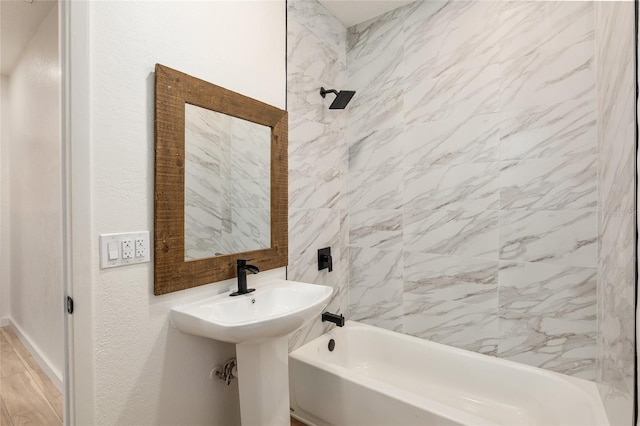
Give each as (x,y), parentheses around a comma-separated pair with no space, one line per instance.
(226,373)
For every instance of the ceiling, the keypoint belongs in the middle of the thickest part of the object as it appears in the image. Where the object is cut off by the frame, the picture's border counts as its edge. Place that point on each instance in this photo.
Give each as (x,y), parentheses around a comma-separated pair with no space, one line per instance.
(352,12)
(19,21)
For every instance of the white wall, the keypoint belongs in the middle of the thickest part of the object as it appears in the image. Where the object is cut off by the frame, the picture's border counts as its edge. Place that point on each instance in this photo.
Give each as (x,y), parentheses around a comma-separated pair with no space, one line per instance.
(35,215)
(4,200)
(144,370)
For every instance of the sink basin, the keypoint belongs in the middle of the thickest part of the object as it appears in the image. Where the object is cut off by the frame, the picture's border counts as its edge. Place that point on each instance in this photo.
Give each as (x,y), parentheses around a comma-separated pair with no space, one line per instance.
(275,309)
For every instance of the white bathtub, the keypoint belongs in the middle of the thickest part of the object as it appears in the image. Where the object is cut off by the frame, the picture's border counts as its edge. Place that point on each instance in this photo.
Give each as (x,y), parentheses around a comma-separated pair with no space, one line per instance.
(378,377)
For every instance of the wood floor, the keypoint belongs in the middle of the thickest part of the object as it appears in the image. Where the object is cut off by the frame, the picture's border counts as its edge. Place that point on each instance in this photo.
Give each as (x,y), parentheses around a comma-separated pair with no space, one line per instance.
(27,396)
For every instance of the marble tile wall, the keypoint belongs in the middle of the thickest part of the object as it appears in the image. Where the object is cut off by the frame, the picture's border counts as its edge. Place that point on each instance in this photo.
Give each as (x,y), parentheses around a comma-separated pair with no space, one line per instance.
(473,172)
(616,218)
(318,149)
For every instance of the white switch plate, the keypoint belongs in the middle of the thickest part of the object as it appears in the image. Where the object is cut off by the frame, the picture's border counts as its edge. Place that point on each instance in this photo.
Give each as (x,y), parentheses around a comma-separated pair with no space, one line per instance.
(133,247)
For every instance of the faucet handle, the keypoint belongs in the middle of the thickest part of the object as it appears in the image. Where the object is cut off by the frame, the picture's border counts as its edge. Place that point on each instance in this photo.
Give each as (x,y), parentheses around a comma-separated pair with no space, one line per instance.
(325,261)
(242,265)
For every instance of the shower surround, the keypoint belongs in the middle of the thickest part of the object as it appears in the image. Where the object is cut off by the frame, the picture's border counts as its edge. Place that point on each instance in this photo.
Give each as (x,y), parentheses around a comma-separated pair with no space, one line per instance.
(489,185)
(473,178)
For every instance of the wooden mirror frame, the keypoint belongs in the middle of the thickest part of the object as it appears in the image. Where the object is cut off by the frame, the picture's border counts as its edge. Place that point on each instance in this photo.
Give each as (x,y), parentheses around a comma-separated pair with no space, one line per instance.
(173,90)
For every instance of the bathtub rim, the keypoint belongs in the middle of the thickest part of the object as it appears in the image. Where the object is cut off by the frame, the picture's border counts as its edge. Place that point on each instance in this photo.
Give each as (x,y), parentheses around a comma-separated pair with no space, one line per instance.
(307,354)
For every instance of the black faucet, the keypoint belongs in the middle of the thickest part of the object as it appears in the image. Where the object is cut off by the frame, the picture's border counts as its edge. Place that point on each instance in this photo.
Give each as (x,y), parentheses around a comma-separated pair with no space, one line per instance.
(242,267)
(334,318)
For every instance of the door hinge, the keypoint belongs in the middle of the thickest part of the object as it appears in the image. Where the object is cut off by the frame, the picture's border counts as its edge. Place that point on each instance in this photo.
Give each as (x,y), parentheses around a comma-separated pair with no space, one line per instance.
(69,305)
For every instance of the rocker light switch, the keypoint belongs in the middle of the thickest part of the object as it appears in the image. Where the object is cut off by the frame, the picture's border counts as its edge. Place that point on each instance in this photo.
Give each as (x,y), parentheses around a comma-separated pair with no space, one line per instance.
(112,249)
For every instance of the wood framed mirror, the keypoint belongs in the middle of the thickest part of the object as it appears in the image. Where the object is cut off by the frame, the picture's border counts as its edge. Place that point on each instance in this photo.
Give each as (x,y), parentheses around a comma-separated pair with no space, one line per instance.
(220,182)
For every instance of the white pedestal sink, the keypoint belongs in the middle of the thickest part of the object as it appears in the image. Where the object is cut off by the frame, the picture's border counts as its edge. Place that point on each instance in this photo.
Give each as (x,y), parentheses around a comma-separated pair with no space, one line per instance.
(258,323)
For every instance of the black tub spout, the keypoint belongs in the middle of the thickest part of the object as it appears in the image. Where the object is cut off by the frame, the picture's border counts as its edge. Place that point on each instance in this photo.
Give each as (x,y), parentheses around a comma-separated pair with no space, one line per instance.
(334,318)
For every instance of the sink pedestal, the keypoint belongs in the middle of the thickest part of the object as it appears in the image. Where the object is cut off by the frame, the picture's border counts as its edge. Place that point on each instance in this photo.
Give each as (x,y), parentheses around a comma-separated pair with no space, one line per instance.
(263,382)
(258,323)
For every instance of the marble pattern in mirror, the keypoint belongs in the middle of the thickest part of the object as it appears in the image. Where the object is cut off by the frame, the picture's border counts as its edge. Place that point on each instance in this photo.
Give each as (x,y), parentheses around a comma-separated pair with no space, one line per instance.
(227,184)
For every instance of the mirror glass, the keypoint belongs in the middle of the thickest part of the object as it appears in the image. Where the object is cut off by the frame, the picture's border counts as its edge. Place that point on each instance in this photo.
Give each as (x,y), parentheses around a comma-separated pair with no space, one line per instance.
(227,184)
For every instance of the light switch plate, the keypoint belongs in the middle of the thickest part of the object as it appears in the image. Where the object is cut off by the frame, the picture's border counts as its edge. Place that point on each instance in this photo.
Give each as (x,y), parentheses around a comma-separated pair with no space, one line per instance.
(133,247)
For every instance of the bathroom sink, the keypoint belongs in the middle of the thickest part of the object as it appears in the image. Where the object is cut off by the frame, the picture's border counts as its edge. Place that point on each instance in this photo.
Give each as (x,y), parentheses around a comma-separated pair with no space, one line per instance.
(258,323)
(275,309)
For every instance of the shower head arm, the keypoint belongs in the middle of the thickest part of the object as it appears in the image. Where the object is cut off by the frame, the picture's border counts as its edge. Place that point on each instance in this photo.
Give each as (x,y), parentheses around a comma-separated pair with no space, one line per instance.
(342,97)
(323,92)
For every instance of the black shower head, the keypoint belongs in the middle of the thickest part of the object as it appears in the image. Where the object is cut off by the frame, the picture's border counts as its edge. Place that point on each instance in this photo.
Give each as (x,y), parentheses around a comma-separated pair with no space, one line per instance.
(342,97)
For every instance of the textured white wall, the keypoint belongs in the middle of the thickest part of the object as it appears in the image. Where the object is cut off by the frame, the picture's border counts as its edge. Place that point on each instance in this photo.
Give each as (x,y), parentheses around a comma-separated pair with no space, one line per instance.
(147,372)
(35,216)
(4,197)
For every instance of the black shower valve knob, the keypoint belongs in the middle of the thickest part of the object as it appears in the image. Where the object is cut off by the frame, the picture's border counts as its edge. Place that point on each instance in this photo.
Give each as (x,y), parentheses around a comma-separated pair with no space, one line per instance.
(325,261)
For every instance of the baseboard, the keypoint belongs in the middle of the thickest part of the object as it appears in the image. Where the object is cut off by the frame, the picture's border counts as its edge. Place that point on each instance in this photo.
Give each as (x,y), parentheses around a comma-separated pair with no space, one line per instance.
(4,322)
(37,355)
